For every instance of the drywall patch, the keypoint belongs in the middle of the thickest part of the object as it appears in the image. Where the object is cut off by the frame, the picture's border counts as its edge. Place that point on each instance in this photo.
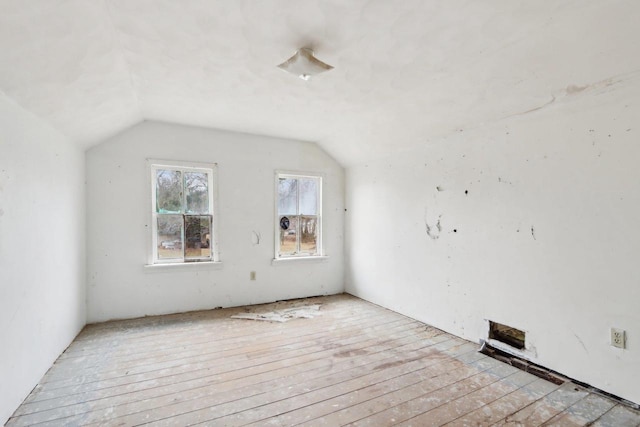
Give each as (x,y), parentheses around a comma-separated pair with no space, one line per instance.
(284,315)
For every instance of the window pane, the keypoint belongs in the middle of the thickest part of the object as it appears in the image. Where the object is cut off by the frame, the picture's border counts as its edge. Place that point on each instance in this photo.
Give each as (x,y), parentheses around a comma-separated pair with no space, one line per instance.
(168,191)
(287,196)
(308,196)
(196,185)
(169,236)
(198,237)
(308,234)
(288,233)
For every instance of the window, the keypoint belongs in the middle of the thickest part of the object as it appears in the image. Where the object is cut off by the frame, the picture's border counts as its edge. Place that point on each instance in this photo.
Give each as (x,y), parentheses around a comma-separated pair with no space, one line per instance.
(182,206)
(299,215)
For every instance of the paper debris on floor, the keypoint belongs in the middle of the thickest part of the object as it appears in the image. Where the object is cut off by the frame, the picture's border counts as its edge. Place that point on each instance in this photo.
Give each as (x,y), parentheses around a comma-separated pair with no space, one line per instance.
(284,315)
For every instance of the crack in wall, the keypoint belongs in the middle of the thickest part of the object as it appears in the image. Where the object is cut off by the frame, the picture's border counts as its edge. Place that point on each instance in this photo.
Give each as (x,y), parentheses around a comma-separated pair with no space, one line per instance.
(574,90)
(553,99)
(581,343)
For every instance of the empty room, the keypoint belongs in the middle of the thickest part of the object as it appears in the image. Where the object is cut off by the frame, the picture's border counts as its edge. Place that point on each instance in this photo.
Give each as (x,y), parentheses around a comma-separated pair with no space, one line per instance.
(319,212)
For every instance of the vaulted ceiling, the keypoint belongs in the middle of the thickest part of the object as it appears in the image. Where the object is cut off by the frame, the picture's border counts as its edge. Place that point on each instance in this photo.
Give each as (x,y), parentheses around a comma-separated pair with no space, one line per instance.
(406,72)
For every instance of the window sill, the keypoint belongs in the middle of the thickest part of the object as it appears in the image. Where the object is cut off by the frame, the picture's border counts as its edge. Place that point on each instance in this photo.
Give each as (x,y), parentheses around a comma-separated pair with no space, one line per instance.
(299,260)
(176,266)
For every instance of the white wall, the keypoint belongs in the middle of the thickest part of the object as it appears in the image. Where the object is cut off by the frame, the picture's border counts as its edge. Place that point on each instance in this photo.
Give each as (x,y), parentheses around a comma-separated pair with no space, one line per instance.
(571,173)
(42,265)
(118,223)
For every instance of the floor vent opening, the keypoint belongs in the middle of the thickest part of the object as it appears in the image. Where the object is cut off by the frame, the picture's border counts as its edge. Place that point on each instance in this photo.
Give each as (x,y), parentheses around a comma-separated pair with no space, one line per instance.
(507,334)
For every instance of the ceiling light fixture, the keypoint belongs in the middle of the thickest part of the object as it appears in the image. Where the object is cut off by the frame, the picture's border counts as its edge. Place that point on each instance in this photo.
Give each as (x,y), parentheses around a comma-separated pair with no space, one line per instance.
(304,65)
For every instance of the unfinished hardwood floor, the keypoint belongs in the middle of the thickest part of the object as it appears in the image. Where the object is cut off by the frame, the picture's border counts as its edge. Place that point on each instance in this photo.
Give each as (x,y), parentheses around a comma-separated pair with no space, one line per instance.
(353,364)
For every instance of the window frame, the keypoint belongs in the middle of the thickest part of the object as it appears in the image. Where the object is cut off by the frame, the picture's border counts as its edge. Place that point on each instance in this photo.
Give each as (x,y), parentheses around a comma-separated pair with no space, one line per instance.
(153,165)
(319,254)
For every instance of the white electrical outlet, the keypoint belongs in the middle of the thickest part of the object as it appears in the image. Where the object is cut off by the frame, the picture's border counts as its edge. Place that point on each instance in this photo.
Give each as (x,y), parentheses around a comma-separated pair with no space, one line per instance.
(618,338)
(252,275)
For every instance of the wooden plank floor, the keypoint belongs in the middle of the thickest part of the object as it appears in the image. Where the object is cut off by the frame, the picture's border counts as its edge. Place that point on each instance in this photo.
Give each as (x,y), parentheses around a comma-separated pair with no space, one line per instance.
(354,364)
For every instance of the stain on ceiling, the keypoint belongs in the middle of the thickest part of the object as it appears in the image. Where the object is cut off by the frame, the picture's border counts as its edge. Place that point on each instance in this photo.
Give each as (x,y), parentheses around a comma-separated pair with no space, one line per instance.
(406,72)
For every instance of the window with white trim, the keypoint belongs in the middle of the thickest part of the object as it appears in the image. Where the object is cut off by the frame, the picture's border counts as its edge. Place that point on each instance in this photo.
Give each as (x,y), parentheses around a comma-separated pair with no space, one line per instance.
(299,215)
(182,208)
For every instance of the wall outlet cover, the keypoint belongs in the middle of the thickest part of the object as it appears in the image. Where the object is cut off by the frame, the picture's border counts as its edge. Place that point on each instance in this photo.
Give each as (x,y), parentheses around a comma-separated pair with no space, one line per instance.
(618,338)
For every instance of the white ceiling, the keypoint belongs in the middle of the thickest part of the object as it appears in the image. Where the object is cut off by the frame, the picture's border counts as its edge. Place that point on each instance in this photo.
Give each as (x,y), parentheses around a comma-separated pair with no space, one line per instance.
(408,72)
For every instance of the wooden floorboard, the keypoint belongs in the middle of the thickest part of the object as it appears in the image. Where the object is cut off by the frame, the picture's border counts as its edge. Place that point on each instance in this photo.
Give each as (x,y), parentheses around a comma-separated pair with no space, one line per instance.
(251,353)
(354,364)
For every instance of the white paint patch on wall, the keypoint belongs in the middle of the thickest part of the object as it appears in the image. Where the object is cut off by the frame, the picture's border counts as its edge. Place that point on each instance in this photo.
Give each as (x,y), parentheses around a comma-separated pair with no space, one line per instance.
(42,264)
(119,286)
(539,231)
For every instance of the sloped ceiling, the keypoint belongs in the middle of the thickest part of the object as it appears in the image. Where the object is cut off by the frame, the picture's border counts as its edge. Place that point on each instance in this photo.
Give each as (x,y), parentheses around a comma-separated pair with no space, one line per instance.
(406,72)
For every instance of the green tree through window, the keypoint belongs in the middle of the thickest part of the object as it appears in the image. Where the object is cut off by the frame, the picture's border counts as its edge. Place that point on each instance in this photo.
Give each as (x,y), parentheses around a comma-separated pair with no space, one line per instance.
(183,214)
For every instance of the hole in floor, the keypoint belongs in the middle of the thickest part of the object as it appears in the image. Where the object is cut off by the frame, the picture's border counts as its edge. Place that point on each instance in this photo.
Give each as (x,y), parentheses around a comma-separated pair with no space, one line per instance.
(524,365)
